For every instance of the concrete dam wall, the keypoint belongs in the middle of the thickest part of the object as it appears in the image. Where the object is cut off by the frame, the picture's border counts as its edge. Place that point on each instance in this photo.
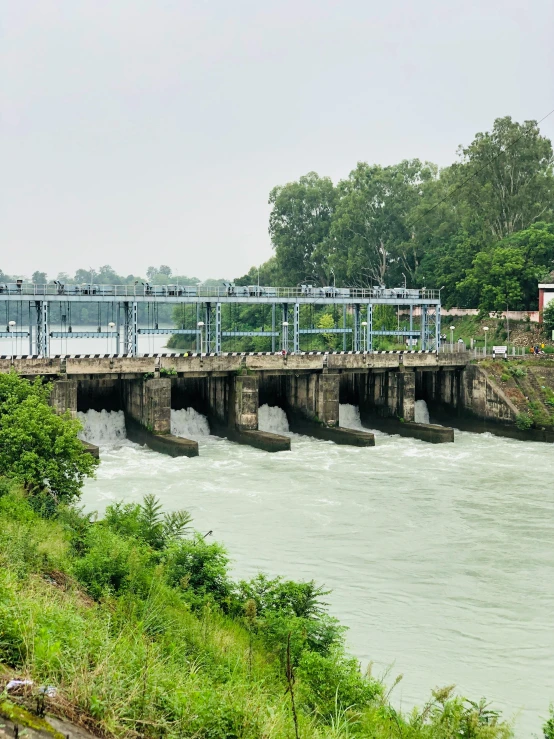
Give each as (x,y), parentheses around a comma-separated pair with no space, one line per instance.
(228,391)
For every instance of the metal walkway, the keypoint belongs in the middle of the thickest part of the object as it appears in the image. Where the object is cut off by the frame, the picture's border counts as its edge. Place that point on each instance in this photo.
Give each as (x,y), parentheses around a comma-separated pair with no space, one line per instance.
(31,304)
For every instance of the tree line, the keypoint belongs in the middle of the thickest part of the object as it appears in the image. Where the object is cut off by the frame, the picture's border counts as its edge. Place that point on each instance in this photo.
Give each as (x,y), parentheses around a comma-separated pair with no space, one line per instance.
(482,227)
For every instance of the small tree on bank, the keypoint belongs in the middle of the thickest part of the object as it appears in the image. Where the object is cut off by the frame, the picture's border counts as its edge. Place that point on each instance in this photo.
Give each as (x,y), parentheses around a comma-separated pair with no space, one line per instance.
(38,448)
(548,317)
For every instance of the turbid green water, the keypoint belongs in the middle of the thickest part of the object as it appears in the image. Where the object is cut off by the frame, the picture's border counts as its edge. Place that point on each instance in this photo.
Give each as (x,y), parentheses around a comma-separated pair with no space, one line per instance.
(440,558)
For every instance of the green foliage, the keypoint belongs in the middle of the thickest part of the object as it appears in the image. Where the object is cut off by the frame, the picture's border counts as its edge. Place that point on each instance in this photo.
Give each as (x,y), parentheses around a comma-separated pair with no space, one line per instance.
(505,274)
(517,371)
(147,522)
(548,726)
(330,681)
(168,372)
(548,316)
(139,655)
(299,225)
(523,421)
(504,377)
(200,567)
(326,321)
(39,448)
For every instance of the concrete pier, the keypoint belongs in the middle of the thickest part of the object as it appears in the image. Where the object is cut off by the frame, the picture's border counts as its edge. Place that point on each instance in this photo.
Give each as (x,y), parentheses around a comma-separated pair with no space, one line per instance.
(147,404)
(173,446)
(430,432)
(338,434)
(312,402)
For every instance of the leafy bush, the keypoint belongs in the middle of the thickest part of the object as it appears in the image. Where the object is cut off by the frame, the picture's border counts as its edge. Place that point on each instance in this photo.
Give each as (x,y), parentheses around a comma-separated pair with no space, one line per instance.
(331,683)
(284,607)
(548,726)
(504,377)
(146,521)
(109,561)
(39,448)
(518,371)
(523,422)
(194,565)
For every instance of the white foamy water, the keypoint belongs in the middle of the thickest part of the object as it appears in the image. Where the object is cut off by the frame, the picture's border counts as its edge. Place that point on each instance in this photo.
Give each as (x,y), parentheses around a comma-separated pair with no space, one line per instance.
(273,419)
(421,412)
(439,556)
(189,424)
(349,416)
(103,428)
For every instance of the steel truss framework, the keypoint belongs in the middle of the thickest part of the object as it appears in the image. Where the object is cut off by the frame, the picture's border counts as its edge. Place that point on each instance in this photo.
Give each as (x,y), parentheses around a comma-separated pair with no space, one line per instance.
(286,325)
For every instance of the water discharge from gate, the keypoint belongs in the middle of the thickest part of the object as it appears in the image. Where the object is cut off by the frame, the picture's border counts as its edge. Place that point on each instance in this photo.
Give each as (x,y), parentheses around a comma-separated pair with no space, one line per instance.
(439,557)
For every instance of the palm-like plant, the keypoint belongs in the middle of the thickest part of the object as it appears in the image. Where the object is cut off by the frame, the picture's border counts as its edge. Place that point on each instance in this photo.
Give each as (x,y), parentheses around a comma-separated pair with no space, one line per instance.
(160,529)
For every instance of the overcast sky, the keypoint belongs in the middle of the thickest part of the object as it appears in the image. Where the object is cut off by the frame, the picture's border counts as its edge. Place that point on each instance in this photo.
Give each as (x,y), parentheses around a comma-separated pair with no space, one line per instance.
(139,132)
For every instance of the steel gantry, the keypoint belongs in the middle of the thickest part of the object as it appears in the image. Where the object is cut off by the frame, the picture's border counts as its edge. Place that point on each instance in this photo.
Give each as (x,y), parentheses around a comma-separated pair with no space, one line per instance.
(361,321)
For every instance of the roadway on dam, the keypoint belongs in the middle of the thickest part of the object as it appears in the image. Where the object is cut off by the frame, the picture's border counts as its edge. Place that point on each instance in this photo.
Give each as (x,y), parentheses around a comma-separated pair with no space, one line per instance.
(439,558)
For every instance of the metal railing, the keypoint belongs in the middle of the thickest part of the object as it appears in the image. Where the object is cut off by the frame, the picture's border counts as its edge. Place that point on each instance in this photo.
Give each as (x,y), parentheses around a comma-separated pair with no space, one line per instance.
(480,352)
(226,291)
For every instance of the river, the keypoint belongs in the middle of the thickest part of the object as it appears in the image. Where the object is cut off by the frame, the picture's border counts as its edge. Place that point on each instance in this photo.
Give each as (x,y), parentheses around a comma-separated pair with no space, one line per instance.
(439,557)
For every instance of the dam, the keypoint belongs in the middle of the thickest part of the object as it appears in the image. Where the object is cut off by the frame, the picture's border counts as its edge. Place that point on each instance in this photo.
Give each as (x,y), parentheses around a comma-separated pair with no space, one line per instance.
(229,388)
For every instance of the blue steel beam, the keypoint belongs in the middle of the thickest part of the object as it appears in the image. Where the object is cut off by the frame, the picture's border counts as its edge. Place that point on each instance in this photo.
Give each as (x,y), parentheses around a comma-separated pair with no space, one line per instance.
(191,331)
(325,331)
(250,333)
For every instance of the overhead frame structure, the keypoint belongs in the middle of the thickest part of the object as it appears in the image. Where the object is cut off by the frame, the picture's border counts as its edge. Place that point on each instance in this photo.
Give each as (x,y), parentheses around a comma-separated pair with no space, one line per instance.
(285,305)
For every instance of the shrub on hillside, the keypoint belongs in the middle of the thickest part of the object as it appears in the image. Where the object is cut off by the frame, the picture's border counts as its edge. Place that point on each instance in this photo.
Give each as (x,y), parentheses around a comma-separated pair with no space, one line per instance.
(523,421)
(200,569)
(38,448)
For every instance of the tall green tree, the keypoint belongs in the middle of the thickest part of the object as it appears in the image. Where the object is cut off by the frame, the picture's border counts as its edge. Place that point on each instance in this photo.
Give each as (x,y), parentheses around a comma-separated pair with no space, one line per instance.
(299,225)
(371,227)
(507,176)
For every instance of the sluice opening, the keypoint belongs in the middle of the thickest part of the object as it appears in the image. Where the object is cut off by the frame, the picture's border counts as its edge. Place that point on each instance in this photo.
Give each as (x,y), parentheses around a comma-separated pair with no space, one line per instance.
(99,395)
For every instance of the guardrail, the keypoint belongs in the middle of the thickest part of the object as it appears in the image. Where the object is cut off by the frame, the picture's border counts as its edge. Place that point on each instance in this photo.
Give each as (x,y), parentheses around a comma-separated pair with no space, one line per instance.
(255,291)
(480,352)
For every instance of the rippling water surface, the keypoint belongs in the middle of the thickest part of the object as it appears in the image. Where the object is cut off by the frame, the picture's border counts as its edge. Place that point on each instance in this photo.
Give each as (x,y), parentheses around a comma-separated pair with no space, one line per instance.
(439,556)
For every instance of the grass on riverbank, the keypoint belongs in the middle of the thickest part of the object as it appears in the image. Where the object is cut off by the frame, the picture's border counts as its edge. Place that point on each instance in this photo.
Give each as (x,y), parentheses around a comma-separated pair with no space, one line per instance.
(136,622)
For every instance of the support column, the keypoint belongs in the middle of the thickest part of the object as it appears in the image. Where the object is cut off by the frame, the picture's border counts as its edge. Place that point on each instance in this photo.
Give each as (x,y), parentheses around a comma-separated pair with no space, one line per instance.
(273,307)
(296,329)
(147,405)
(407,394)
(130,329)
(213,328)
(208,328)
(118,328)
(313,409)
(64,396)
(423,327)
(243,410)
(356,327)
(369,337)
(240,407)
(43,330)
(285,329)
